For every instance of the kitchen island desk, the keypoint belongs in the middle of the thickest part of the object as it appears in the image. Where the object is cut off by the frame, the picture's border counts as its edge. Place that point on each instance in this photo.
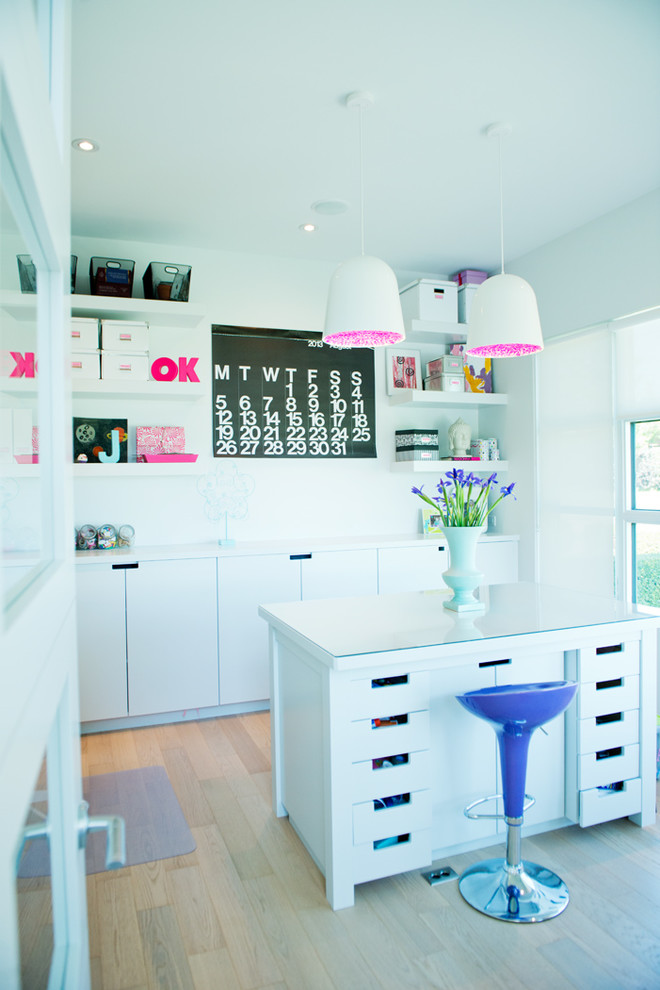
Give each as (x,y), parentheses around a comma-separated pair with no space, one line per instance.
(373,758)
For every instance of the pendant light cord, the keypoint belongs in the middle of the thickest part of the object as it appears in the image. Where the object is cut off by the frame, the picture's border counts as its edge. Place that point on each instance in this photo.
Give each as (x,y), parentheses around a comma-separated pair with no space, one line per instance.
(501,209)
(361,117)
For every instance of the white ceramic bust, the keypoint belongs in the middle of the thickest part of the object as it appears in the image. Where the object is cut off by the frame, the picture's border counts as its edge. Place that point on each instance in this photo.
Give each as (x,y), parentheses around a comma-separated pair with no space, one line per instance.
(460,435)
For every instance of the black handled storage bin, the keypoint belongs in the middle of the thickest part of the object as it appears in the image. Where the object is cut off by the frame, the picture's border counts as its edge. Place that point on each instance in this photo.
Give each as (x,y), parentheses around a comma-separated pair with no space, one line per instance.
(167,281)
(111,277)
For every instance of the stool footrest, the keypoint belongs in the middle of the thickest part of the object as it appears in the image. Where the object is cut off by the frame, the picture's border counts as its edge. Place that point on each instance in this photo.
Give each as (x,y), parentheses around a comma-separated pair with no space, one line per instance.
(469,813)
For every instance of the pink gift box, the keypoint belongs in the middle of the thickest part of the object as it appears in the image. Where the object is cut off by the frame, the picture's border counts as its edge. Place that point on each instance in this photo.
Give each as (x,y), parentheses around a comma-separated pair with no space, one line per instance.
(160,440)
(174,440)
(149,439)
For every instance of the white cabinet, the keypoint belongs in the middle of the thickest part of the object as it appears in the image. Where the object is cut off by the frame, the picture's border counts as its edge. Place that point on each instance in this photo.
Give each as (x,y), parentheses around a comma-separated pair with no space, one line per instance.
(420,567)
(417,568)
(244,583)
(339,574)
(171,636)
(603,755)
(100,606)
(147,637)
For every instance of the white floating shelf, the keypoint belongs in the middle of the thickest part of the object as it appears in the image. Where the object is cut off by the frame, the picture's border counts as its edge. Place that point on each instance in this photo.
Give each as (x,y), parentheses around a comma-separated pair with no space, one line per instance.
(439,467)
(107,389)
(435,332)
(435,400)
(132,470)
(160,313)
(154,311)
(19,305)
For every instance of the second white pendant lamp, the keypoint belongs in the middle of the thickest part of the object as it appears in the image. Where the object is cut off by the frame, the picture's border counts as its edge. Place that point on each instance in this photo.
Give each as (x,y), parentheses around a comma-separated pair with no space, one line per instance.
(363,309)
(504,316)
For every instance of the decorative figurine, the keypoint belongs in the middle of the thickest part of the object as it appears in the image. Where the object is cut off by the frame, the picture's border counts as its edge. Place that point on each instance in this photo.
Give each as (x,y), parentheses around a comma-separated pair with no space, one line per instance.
(459,438)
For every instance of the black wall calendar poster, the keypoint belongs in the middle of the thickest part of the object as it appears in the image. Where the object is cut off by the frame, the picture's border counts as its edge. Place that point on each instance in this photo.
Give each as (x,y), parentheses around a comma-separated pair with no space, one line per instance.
(284,393)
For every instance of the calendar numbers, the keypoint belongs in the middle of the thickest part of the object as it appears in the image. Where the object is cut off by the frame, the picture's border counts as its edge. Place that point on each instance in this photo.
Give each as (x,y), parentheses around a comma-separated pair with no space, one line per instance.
(277,395)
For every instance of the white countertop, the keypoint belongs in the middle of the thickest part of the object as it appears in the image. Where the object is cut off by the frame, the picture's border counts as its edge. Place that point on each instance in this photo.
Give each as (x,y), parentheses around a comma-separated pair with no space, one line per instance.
(347,627)
(253,547)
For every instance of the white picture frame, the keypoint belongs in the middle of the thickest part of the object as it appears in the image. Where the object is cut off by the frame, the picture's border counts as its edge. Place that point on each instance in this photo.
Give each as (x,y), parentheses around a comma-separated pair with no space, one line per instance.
(403,369)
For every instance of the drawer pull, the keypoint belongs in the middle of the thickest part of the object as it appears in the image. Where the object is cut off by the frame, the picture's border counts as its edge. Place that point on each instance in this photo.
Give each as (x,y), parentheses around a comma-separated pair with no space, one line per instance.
(494,663)
(391,802)
(394,840)
(378,682)
(387,762)
(300,556)
(606,754)
(125,567)
(614,683)
(389,720)
(616,648)
(614,717)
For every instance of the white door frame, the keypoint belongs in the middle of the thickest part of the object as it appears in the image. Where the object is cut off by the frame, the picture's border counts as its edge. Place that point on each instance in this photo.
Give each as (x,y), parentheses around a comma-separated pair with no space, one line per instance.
(39,699)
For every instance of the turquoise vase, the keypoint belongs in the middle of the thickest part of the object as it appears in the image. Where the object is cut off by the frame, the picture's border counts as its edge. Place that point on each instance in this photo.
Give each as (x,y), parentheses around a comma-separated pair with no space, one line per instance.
(463,575)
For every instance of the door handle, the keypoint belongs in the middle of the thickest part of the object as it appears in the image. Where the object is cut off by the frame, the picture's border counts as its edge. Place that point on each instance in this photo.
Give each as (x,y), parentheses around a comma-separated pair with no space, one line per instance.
(114,825)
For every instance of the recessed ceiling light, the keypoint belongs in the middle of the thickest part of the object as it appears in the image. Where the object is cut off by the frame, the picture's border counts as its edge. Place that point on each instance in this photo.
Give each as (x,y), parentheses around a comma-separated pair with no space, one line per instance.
(330,207)
(85,144)
(308,227)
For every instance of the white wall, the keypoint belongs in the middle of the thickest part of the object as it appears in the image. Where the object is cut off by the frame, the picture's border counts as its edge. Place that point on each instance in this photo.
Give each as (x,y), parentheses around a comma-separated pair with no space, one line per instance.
(605,269)
(291,498)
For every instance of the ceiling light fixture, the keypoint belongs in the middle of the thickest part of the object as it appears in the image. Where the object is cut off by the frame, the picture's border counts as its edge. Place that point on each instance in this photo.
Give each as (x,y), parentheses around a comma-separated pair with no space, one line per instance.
(364,309)
(504,316)
(308,227)
(330,207)
(85,144)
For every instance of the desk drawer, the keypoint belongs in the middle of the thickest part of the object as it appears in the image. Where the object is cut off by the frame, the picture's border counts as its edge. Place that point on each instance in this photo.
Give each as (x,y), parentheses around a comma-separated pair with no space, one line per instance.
(374,697)
(595,735)
(616,694)
(604,806)
(604,662)
(622,764)
(370,740)
(371,782)
(370,822)
(410,854)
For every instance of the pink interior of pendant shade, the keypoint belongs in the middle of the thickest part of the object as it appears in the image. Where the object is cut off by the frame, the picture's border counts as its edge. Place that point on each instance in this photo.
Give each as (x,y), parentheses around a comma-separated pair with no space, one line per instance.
(364,338)
(504,350)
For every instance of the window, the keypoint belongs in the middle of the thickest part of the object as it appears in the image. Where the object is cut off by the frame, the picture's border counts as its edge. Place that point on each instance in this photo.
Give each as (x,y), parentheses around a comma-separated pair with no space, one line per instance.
(644,514)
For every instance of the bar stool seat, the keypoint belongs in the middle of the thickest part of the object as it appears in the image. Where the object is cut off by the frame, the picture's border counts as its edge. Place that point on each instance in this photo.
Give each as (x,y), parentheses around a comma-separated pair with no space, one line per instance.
(509,888)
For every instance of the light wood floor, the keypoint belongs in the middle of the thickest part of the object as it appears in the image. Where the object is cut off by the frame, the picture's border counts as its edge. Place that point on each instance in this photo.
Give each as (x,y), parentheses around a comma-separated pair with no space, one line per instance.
(247,909)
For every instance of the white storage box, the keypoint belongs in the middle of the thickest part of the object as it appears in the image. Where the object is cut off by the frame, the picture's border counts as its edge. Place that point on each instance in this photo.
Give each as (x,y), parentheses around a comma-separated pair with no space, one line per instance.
(448,364)
(128,338)
(445,383)
(465,297)
(84,334)
(86,365)
(124,367)
(429,300)
(418,454)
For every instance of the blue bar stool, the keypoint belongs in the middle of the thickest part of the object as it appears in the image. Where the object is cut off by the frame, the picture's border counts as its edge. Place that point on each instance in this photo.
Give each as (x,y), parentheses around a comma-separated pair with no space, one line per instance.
(513,889)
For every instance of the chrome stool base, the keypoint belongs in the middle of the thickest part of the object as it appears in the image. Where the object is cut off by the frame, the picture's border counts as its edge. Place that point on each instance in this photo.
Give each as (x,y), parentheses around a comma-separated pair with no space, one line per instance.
(523,893)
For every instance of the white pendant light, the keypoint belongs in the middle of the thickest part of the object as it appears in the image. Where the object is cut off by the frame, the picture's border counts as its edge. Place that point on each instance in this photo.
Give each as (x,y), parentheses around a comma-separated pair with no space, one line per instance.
(364,308)
(504,317)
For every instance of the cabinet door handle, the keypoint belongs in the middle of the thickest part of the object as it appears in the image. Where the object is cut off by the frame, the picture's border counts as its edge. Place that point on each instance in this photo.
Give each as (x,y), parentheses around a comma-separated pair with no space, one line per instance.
(125,567)
(300,556)
(493,663)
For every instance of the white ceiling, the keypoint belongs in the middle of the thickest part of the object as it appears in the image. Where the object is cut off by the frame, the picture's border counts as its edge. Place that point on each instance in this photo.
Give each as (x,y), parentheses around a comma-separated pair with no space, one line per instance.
(220,123)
